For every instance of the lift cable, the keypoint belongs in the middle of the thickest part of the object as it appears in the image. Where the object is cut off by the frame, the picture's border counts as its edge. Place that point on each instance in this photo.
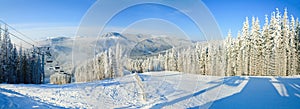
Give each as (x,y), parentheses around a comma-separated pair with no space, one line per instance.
(17,37)
(18,31)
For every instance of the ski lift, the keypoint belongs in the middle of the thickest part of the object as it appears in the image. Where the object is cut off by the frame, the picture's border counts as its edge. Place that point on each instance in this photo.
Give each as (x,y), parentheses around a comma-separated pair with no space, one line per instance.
(51,68)
(49,61)
(57,67)
(48,53)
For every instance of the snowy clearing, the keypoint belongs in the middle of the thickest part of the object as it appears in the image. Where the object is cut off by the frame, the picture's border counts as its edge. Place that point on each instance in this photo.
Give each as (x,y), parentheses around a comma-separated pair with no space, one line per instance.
(162,90)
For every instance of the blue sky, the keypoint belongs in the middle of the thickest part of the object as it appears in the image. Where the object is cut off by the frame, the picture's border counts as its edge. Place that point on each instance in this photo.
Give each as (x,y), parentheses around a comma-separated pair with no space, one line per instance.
(43,11)
(39,19)
(152,18)
(46,18)
(230,14)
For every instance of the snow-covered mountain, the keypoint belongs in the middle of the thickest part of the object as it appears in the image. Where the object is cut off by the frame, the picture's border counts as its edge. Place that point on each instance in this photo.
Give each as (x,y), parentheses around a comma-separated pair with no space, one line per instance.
(149,46)
(110,40)
(78,50)
(113,35)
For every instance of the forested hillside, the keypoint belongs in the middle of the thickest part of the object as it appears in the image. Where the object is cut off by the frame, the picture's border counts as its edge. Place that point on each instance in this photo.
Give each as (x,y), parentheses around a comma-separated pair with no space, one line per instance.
(18,66)
(270,49)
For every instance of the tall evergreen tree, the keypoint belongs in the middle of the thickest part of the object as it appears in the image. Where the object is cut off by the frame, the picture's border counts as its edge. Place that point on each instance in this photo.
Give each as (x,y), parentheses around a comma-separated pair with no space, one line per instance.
(293,57)
(266,47)
(298,44)
(271,45)
(246,47)
(229,60)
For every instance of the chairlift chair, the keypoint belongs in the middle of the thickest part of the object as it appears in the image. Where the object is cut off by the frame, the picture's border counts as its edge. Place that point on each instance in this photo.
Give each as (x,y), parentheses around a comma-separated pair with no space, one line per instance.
(49,61)
(51,68)
(57,67)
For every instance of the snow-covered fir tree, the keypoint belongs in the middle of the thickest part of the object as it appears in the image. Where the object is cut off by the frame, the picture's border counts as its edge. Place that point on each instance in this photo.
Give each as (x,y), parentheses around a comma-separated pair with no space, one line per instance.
(271,50)
(18,67)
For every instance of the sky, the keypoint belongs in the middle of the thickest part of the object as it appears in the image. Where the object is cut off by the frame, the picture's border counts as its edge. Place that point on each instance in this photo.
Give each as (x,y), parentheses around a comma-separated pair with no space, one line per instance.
(39,19)
(156,18)
(230,14)
(49,18)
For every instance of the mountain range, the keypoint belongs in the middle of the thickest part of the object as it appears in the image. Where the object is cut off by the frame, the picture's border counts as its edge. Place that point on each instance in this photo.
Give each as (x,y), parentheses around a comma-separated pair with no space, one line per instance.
(68,52)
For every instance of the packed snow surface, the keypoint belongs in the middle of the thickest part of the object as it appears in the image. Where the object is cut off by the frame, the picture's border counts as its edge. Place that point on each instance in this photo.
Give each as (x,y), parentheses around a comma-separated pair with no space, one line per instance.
(161,90)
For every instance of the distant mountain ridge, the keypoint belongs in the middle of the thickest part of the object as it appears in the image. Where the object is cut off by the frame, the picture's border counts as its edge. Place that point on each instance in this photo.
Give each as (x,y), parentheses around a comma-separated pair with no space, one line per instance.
(79,49)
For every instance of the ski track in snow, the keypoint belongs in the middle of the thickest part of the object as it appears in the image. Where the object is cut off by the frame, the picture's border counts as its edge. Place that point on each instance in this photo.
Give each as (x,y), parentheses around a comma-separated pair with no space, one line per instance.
(163,90)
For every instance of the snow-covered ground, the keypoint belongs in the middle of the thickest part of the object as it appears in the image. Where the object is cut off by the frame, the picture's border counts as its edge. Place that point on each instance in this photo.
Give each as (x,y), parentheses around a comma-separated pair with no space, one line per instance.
(162,90)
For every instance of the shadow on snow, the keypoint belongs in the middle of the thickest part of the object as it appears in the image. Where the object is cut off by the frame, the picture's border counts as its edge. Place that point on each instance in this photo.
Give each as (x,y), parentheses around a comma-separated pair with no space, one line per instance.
(230,81)
(17,100)
(259,93)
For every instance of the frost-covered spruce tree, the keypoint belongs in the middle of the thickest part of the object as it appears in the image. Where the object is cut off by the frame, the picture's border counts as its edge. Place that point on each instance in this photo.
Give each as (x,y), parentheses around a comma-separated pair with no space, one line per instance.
(252,52)
(119,60)
(245,47)
(240,54)
(203,60)
(208,63)
(144,65)
(180,61)
(160,62)
(193,64)
(20,78)
(229,63)
(1,57)
(150,66)
(173,60)
(23,67)
(285,34)
(111,60)
(271,51)
(106,65)
(234,57)
(96,68)
(214,59)
(271,45)
(220,60)
(266,51)
(14,66)
(298,44)
(256,49)
(10,63)
(285,44)
(293,57)
(185,55)
(101,66)
(156,64)
(280,57)
(212,56)
(189,60)
(34,69)
(7,50)
(27,67)
(39,70)
(5,56)
(166,61)
(199,61)
(14,63)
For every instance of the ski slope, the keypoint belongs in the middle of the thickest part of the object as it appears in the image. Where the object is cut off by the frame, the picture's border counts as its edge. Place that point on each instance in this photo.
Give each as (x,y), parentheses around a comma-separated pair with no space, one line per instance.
(161,90)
